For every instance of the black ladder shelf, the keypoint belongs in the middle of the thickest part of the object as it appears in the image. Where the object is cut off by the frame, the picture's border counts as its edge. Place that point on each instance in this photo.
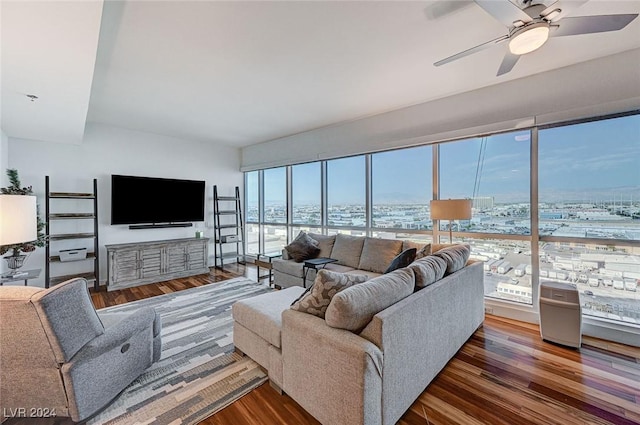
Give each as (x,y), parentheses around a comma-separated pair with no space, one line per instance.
(93,275)
(228,233)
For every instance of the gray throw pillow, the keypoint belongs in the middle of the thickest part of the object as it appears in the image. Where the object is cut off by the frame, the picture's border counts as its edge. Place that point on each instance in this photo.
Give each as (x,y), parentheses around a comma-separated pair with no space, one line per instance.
(303,248)
(327,284)
(456,257)
(401,260)
(428,270)
(353,308)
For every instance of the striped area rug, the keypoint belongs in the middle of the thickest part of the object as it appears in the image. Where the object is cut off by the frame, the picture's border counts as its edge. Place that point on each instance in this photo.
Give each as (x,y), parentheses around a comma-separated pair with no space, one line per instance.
(198,373)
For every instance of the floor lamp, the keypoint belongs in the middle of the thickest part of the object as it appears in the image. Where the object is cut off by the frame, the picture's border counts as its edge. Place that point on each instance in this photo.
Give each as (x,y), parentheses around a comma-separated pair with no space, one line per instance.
(451,209)
(18,219)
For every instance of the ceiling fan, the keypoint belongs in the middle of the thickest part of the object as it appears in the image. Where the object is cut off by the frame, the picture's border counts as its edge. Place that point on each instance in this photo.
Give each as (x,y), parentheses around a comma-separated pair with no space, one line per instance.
(531,27)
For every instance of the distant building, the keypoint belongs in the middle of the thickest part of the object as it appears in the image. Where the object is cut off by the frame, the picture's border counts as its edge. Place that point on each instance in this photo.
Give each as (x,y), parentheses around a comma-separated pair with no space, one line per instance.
(483,203)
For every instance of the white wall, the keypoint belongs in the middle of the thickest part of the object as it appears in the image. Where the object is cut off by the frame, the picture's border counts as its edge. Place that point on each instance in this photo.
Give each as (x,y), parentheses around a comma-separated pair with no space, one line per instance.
(597,87)
(109,150)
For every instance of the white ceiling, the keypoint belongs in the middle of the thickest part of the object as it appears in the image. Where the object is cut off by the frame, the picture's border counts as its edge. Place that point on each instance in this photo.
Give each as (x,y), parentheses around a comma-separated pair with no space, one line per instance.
(241,73)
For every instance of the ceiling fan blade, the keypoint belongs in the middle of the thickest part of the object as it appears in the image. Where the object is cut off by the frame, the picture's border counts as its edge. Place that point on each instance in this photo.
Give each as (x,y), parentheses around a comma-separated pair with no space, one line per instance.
(566,8)
(592,24)
(508,63)
(472,50)
(441,8)
(504,11)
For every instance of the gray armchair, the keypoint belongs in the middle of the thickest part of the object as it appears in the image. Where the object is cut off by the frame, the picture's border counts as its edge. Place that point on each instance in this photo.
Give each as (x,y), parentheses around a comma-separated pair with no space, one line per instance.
(56,352)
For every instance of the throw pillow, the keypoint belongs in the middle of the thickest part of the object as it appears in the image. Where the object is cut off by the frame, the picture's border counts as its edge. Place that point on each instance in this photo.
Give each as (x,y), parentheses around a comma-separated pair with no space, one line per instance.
(353,308)
(302,248)
(428,270)
(327,284)
(423,250)
(402,260)
(456,257)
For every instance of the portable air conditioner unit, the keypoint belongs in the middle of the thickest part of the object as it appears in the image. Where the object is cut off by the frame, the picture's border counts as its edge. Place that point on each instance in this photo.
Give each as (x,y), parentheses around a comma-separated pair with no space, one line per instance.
(560,314)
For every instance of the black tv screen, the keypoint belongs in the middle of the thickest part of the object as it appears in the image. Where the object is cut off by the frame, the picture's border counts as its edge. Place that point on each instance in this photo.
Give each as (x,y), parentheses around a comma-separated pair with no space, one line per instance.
(140,200)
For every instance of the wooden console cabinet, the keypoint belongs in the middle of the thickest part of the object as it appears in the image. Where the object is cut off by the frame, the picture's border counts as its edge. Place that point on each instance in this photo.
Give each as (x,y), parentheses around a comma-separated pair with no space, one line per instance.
(139,263)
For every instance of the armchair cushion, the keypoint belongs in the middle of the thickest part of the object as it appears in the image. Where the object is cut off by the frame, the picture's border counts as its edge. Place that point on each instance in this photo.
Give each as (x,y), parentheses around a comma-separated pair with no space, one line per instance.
(68,316)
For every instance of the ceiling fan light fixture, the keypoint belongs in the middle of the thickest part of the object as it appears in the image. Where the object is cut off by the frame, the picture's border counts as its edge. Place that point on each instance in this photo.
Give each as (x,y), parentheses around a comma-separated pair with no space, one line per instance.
(531,37)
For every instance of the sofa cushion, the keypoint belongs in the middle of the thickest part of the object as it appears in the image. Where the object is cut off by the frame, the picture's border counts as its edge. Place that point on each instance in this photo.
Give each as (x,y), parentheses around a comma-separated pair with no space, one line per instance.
(335,267)
(353,308)
(377,254)
(402,260)
(303,247)
(316,299)
(289,267)
(455,256)
(370,275)
(422,250)
(438,246)
(262,314)
(347,250)
(428,270)
(325,243)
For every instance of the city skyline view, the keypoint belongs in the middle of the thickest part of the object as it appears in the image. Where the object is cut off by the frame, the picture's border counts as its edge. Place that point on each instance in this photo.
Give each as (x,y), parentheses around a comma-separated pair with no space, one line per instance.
(588,183)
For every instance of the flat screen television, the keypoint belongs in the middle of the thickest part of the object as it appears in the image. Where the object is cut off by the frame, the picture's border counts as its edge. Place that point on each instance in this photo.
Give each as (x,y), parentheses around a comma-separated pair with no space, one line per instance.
(149,200)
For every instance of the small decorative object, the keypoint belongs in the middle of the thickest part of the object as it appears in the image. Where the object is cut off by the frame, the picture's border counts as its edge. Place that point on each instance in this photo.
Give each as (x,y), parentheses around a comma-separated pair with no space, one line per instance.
(17,230)
(199,234)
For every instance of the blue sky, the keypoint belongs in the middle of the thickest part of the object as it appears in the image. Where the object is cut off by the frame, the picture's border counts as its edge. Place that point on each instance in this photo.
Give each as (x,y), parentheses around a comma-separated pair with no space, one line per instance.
(593,160)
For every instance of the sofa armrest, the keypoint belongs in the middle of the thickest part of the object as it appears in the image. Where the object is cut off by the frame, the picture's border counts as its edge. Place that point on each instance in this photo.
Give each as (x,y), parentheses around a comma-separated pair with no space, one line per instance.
(333,374)
(421,333)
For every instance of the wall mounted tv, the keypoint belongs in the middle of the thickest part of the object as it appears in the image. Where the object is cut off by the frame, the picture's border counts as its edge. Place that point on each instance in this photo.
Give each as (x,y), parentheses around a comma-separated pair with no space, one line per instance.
(155,202)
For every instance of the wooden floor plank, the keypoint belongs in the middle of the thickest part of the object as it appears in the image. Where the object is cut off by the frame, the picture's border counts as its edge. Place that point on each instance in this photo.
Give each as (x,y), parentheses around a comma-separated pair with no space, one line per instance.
(505,374)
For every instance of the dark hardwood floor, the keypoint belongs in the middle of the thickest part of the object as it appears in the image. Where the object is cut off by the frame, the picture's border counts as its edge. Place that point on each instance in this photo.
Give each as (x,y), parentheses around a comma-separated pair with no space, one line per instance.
(504,375)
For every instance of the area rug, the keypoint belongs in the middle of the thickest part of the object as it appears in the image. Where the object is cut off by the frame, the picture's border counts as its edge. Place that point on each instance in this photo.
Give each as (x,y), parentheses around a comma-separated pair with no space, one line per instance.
(198,373)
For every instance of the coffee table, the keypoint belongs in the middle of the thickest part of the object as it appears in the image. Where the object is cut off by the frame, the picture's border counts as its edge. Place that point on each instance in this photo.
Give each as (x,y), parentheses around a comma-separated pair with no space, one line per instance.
(314,263)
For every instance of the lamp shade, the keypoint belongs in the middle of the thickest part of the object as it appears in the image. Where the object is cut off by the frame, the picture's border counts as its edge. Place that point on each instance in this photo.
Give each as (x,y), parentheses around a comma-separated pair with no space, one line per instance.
(18,219)
(451,209)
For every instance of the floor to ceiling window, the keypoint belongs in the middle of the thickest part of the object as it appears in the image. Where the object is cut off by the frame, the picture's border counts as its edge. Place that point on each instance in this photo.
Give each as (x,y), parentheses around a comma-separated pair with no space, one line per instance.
(589,208)
(346,192)
(494,172)
(586,187)
(306,199)
(252,210)
(401,189)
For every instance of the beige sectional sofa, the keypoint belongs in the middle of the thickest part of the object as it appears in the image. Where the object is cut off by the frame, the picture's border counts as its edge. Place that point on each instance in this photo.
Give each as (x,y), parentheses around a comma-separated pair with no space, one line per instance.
(355,255)
(370,375)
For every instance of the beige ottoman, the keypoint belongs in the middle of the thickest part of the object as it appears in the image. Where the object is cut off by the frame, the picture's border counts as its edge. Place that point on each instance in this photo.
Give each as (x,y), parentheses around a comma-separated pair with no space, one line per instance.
(257,326)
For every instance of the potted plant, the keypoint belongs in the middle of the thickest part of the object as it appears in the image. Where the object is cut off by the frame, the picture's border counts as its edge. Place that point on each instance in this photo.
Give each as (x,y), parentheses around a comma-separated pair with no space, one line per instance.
(16,258)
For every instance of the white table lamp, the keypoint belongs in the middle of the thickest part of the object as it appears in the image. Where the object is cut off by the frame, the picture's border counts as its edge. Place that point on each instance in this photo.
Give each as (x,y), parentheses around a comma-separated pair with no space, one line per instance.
(18,219)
